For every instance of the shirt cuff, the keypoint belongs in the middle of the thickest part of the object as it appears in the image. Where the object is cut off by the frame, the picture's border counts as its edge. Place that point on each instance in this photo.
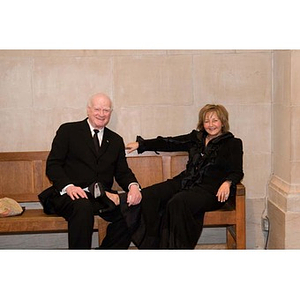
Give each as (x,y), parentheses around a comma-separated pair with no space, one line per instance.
(64,190)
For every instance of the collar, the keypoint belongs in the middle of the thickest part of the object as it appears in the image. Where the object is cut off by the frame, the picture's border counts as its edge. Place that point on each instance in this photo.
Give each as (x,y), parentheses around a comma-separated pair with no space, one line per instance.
(202,135)
(92,128)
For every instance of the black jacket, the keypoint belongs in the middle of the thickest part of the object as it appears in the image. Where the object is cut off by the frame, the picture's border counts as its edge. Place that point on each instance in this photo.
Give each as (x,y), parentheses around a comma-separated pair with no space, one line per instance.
(73,158)
(208,167)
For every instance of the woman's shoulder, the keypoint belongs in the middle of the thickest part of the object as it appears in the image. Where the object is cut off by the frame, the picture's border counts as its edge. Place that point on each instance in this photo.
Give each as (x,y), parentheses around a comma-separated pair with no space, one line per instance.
(228,138)
(235,141)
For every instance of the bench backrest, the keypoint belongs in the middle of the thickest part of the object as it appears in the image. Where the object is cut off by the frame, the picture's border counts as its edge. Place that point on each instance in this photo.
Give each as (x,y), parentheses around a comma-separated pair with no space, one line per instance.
(23,174)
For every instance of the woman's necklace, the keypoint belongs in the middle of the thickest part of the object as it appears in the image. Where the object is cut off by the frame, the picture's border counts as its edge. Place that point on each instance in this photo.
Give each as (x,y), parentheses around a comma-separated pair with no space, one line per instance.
(209,138)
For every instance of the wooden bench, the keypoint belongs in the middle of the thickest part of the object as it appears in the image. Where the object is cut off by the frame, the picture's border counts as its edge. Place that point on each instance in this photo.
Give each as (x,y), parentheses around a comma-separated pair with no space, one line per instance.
(22,178)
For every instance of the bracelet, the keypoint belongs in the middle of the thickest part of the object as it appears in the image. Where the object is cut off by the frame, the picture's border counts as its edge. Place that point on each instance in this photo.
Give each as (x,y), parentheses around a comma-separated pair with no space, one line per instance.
(134,183)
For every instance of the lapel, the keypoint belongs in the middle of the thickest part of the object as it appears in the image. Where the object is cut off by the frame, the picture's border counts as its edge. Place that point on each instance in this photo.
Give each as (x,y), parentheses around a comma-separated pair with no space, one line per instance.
(88,138)
(105,142)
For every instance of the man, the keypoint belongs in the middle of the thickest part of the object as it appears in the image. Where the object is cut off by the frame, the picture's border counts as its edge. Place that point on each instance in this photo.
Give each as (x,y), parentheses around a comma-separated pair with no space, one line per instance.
(75,167)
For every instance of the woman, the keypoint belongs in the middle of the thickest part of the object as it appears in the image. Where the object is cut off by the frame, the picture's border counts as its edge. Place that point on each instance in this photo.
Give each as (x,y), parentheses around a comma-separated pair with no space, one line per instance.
(172,212)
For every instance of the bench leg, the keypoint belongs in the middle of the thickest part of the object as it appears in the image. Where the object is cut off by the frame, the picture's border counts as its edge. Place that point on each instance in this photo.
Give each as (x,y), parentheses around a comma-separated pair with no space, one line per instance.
(240,235)
(230,237)
(236,237)
(240,223)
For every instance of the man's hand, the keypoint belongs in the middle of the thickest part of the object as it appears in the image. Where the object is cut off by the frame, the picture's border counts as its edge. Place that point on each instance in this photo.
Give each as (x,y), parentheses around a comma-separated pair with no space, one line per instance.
(134,195)
(76,192)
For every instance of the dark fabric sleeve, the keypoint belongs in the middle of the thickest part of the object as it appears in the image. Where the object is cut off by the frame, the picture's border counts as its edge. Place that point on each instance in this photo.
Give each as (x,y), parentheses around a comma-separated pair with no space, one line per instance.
(56,159)
(167,144)
(236,173)
(123,174)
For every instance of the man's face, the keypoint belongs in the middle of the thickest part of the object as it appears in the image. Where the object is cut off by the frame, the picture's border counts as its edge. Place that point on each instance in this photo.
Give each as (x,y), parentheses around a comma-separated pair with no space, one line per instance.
(99,111)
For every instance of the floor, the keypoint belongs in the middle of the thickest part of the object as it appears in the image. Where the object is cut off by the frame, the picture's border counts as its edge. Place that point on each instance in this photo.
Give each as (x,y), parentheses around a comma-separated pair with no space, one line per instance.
(211,246)
(200,247)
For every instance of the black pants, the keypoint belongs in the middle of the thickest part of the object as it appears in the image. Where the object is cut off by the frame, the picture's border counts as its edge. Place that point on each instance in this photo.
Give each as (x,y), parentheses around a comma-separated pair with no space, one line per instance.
(80,216)
(172,218)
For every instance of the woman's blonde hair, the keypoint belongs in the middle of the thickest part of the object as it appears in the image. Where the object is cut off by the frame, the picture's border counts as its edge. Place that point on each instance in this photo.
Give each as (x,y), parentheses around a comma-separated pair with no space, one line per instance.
(221,112)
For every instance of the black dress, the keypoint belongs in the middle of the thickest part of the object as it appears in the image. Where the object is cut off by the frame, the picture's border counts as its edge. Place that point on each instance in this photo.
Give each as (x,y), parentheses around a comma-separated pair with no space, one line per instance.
(171,213)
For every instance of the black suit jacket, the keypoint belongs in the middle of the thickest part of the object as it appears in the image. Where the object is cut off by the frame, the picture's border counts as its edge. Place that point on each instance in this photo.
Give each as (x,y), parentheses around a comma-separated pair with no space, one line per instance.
(73,158)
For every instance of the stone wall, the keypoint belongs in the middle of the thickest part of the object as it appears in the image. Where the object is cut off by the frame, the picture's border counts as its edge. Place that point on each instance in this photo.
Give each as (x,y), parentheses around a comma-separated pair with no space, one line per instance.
(155,92)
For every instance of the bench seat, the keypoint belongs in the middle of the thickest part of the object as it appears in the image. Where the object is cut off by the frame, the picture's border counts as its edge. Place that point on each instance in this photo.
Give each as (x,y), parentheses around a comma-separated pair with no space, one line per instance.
(34,221)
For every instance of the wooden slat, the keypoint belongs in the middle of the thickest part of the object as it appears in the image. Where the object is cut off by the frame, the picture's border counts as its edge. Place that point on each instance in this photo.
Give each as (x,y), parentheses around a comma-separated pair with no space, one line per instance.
(219,217)
(35,221)
(147,169)
(22,175)
(24,156)
(22,198)
(178,164)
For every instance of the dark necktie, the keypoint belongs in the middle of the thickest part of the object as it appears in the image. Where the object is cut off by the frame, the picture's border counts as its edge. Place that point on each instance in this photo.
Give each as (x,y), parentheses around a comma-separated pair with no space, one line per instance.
(96,140)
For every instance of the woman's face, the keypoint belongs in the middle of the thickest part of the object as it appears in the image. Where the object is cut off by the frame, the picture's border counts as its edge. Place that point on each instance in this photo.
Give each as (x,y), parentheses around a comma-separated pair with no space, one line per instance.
(212,124)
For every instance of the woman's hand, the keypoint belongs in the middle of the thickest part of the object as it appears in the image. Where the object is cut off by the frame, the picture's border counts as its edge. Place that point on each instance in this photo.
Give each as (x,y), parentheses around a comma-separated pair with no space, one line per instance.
(132,146)
(223,192)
